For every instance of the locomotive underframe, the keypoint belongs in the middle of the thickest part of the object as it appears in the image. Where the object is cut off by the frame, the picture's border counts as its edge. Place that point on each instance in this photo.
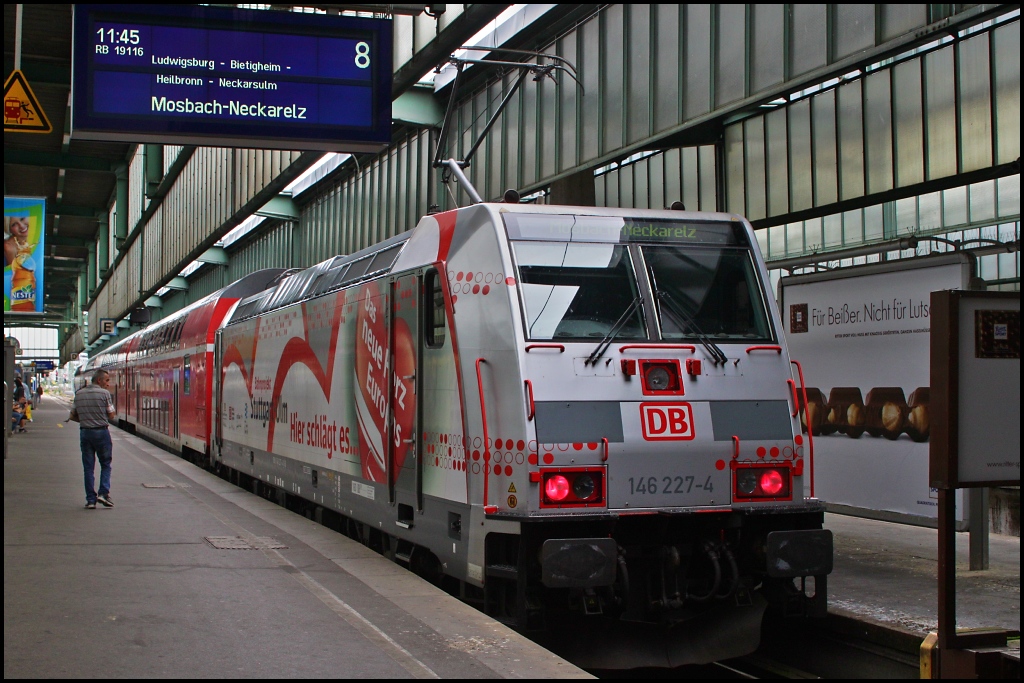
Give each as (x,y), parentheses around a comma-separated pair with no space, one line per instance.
(664,568)
(658,568)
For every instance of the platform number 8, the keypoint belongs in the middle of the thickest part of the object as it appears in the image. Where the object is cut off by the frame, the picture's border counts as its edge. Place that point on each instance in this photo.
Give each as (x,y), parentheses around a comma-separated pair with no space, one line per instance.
(362,55)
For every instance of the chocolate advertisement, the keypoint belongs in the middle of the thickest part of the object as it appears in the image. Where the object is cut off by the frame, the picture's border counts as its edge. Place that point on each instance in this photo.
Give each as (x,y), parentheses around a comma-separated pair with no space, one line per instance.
(862,336)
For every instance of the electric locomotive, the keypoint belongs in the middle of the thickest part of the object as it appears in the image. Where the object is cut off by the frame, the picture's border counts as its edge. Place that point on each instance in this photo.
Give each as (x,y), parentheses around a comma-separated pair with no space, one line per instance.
(567,414)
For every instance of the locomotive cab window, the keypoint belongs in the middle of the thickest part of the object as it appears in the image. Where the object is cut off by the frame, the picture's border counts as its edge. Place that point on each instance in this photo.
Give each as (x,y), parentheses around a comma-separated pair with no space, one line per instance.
(434,311)
(707,291)
(578,290)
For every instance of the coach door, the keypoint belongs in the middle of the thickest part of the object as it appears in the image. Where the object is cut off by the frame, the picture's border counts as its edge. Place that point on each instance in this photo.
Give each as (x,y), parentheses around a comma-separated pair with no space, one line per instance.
(216,439)
(177,401)
(404,451)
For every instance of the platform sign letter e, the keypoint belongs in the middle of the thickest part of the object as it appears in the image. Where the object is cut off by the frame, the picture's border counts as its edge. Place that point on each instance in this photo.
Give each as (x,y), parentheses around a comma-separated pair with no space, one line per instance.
(666,421)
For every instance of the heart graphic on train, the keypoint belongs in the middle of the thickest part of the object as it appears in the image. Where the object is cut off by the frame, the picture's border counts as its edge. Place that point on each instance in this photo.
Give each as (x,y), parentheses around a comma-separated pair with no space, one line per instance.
(373,379)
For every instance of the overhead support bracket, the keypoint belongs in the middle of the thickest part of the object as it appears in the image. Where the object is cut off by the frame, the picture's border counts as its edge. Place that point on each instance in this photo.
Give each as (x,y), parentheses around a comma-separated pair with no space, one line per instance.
(281,207)
(214,255)
(417,107)
(76,162)
(154,302)
(178,283)
(62,209)
(62,241)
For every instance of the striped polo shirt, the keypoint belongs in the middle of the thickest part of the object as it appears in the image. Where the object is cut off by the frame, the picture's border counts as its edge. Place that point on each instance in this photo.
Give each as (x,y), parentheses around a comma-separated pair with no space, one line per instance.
(93,404)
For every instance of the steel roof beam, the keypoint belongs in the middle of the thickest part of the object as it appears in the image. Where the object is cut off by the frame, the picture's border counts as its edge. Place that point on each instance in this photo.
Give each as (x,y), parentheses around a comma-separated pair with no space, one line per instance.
(21,157)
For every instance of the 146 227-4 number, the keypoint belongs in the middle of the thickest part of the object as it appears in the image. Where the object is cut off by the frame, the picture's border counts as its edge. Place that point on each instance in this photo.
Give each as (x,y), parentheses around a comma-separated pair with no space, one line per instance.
(663,485)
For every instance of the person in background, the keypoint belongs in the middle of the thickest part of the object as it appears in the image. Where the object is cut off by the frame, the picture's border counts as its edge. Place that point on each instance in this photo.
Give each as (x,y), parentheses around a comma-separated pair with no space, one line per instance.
(38,396)
(18,417)
(19,390)
(92,410)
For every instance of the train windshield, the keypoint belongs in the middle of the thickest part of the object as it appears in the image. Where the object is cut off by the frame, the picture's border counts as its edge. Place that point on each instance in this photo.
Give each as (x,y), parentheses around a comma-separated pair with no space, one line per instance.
(706,292)
(578,291)
(578,279)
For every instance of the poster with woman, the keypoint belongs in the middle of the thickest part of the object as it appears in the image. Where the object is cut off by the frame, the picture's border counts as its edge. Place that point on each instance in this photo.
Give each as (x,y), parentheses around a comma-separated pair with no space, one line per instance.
(23,254)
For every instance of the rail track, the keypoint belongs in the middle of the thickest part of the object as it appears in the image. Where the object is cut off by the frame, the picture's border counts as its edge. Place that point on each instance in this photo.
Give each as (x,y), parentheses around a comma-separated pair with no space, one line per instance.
(840,646)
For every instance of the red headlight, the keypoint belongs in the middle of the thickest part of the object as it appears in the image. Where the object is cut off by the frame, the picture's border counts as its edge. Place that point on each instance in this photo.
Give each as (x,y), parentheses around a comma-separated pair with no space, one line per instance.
(771,482)
(572,487)
(556,488)
(752,482)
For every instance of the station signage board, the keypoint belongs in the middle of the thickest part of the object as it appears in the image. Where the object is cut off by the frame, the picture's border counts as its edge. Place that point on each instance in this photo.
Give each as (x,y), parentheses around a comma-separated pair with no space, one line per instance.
(24,254)
(190,74)
(862,336)
(108,326)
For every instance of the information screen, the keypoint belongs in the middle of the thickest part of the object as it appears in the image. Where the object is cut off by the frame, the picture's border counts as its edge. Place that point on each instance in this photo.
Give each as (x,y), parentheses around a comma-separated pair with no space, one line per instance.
(579,228)
(253,78)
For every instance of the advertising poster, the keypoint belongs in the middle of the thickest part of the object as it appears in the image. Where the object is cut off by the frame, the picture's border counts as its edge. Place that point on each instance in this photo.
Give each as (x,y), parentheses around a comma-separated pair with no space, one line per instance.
(24,232)
(862,336)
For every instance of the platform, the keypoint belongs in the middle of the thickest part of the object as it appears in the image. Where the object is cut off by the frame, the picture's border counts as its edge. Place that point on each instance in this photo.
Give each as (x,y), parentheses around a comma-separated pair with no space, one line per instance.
(887,572)
(189,576)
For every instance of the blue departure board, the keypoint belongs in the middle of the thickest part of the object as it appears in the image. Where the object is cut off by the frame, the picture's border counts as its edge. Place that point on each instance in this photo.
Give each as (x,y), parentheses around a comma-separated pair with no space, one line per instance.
(187,74)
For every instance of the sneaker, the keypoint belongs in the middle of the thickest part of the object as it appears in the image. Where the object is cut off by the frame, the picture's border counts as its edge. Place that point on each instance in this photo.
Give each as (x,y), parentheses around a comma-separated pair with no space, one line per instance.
(90,506)
(105,501)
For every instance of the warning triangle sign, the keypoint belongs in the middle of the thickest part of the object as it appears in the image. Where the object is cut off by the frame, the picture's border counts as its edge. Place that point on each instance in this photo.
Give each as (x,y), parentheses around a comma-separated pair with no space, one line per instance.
(22,113)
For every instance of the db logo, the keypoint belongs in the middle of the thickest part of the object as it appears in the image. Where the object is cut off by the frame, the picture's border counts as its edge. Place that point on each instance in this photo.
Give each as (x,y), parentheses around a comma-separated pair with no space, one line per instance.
(666,421)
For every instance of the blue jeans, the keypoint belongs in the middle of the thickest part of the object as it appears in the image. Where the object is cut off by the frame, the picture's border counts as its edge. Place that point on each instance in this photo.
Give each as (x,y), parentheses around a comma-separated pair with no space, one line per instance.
(96,445)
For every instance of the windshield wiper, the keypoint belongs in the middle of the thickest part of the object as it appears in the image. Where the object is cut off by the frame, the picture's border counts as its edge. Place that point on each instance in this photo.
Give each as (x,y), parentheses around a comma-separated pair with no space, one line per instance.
(614,331)
(685,320)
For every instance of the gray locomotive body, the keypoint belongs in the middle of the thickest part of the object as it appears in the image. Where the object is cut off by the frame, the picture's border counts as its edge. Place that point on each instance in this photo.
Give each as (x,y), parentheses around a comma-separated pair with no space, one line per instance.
(559,412)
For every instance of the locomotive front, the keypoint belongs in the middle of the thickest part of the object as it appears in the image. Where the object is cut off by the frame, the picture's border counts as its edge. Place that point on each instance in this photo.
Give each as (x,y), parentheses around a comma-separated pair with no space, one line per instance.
(670,483)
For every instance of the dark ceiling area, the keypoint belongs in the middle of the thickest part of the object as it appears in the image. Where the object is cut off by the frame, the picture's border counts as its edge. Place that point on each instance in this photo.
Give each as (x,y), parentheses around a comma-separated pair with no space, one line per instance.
(76,177)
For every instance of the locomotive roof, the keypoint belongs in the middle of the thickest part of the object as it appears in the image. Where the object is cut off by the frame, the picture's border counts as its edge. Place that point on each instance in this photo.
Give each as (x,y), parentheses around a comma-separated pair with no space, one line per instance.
(378,259)
(326,276)
(255,281)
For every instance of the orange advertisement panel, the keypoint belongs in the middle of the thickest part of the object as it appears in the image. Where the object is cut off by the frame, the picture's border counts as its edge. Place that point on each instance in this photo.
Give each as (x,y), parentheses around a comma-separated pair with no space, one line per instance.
(24,232)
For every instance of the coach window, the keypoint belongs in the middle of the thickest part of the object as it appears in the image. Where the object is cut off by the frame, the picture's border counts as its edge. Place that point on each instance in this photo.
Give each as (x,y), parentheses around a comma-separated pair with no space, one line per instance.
(187,374)
(434,310)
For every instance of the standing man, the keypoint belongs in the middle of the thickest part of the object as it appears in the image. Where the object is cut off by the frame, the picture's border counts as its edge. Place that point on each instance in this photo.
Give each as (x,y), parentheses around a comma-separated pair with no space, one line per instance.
(92,409)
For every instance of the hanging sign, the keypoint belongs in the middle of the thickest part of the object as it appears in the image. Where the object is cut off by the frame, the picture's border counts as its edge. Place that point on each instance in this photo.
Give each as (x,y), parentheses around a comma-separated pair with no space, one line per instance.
(22,111)
(24,237)
(190,74)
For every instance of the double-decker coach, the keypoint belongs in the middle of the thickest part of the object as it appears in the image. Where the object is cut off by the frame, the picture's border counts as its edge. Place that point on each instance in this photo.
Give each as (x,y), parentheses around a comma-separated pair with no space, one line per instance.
(161,375)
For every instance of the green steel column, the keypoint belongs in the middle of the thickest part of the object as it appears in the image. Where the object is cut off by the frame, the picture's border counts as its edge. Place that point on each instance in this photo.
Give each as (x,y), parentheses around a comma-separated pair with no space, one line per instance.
(103,247)
(121,211)
(91,278)
(83,278)
(154,155)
